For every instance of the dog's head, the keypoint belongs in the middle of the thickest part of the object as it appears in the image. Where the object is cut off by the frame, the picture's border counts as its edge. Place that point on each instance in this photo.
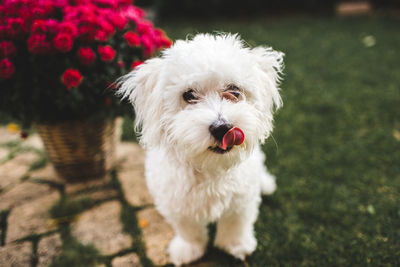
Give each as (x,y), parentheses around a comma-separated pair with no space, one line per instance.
(209,100)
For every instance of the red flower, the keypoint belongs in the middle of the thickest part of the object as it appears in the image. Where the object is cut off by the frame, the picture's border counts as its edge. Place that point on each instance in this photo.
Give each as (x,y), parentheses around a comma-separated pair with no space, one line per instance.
(37,44)
(52,26)
(87,33)
(63,42)
(40,12)
(107,53)
(6,69)
(71,78)
(3,32)
(162,40)
(132,39)
(16,27)
(7,49)
(39,26)
(136,63)
(144,27)
(86,55)
(106,27)
(68,28)
(148,45)
(118,21)
(125,2)
(101,36)
(109,3)
(133,13)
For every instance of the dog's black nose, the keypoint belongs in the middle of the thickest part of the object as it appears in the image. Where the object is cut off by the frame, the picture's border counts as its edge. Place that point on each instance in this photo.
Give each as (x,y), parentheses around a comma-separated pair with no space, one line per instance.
(219,129)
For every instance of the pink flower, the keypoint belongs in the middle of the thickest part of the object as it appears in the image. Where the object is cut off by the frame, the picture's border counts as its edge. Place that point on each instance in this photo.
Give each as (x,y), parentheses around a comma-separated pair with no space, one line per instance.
(52,26)
(162,40)
(106,27)
(133,13)
(3,32)
(148,45)
(63,42)
(124,2)
(108,3)
(107,53)
(118,21)
(101,36)
(60,3)
(71,78)
(136,63)
(6,69)
(87,33)
(7,49)
(16,27)
(37,44)
(132,39)
(144,27)
(68,28)
(43,10)
(39,26)
(86,55)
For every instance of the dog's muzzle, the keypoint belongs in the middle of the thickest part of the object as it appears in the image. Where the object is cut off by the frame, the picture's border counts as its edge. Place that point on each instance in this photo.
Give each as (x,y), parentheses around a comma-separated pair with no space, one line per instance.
(226,135)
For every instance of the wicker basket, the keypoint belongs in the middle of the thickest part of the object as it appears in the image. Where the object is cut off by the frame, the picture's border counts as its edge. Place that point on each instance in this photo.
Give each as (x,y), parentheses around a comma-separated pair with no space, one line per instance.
(79,150)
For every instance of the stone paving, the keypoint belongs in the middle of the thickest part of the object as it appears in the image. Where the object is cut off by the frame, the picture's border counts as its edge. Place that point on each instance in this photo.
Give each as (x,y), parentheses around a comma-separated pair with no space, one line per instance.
(45,221)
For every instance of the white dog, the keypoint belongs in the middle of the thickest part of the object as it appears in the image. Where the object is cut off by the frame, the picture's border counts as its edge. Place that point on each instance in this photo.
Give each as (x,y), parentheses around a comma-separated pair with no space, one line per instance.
(203,109)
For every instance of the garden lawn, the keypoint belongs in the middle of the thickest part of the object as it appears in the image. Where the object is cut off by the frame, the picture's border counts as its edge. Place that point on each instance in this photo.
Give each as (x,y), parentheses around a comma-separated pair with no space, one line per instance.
(336,145)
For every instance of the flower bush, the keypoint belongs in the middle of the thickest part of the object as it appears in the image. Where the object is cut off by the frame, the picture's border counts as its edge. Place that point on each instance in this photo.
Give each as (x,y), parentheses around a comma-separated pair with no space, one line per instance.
(59,58)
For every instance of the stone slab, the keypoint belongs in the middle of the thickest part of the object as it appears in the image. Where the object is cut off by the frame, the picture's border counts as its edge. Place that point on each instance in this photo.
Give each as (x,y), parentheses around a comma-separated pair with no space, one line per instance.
(6,136)
(134,187)
(129,260)
(13,170)
(22,193)
(73,188)
(101,226)
(46,173)
(35,141)
(157,234)
(31,217)
(48,248)
(16,255)
(3,154)
(129,155)
(100,189)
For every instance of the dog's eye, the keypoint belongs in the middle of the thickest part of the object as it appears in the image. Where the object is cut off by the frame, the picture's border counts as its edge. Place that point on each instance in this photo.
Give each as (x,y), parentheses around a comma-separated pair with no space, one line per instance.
(190,96)
(232,92)
(232,87)
(235,94)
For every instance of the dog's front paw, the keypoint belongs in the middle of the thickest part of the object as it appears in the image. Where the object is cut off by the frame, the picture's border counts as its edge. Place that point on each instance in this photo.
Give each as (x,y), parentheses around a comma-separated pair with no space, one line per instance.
(237,248)
(183,252)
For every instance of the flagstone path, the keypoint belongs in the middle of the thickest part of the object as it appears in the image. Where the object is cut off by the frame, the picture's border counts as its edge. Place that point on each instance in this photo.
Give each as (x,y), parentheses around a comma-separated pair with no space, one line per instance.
(46,221)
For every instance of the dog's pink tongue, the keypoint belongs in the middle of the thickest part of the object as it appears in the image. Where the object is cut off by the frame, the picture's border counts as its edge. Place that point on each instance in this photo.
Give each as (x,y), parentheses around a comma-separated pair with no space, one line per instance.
(233,137)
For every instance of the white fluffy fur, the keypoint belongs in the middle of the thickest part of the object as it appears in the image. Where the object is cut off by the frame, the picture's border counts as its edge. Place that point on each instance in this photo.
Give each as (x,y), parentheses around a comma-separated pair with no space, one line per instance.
(191,185)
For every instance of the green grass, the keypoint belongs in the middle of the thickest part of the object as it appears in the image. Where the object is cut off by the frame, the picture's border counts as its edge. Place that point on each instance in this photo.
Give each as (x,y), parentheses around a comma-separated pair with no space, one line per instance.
(335,153)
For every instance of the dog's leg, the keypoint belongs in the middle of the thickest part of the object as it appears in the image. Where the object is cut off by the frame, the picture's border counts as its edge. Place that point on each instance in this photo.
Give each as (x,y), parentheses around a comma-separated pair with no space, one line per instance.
(235,232)
(268,183)
(189,243)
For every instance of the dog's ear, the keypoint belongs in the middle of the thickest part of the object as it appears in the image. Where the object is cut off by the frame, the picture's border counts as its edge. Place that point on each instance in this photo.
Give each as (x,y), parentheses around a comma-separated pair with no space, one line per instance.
(271,65)
(142,87)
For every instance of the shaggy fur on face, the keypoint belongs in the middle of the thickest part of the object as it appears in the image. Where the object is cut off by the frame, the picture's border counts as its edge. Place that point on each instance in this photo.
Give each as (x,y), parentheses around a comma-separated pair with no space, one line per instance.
(203,109)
